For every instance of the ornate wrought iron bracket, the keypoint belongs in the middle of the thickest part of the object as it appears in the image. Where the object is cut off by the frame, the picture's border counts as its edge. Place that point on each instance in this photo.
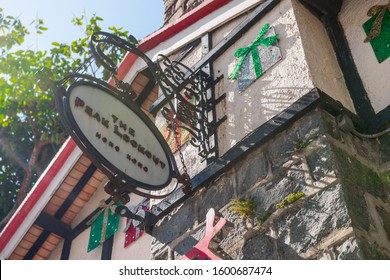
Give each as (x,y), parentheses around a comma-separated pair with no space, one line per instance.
(189,103)
(186,91)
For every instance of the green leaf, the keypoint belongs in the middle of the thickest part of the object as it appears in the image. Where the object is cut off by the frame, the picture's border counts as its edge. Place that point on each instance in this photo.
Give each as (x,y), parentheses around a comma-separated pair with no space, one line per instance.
(20,40)
(44,136)
(13,80)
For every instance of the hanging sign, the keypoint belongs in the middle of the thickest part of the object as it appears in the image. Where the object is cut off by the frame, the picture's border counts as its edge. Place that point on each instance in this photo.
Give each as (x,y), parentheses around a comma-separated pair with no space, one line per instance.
(117,135)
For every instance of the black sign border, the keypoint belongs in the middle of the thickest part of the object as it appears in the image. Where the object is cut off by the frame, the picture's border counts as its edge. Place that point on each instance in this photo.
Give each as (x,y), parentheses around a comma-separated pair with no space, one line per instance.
(111,171)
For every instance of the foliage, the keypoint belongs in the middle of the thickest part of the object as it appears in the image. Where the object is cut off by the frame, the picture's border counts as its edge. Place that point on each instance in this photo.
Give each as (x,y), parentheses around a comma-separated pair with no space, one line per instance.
(291,198)
(301,144)
(385,178)
(30,128)
(245,208)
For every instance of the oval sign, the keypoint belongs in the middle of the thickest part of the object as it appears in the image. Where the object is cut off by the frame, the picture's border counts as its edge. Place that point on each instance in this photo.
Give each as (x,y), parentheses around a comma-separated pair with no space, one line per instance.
(119,136)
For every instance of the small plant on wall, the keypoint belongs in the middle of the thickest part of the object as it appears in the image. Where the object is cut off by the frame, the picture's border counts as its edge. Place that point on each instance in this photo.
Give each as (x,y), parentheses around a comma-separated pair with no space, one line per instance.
(245,208)
(290,199)
(301,144)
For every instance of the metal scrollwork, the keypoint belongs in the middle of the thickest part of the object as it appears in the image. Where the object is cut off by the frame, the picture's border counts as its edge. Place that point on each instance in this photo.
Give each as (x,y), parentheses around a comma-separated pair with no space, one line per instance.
(183,85)
(185,90)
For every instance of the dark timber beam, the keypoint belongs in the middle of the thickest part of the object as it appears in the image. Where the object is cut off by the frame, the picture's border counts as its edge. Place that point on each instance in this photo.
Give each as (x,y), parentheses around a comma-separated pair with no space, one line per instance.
(187,49)
(352,78)
(75,192)
(328,8)
(327,11)
(145,92)
(37,245)
(107,248)
(66,249)
(83,224)
(62,210)
(207,44)
(53,225)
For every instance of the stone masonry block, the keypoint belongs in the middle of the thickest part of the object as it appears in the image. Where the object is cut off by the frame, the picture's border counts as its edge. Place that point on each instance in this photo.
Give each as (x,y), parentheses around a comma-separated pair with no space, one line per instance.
(321,161)
(216,196)
(169,229)
(272,193)
(282,147)
(318,217)
(251,170)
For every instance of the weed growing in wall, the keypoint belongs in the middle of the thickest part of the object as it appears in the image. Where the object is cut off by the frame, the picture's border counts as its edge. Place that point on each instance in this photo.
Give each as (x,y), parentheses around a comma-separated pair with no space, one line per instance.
(245,208)
(291,198)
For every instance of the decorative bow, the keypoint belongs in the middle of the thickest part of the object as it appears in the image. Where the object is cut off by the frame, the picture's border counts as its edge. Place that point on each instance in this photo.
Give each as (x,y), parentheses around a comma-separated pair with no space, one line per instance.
(377,25)
(252,48)
(104,208)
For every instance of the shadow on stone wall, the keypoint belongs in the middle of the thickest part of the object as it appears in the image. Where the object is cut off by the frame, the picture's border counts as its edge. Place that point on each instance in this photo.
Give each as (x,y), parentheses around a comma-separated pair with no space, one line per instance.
(344,213)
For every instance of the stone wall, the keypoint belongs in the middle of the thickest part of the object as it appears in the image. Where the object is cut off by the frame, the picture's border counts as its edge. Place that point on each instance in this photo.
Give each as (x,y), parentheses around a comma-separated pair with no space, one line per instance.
(344,213)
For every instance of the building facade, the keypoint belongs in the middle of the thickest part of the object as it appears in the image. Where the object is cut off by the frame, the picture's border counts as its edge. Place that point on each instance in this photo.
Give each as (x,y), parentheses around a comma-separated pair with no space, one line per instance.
(292,149)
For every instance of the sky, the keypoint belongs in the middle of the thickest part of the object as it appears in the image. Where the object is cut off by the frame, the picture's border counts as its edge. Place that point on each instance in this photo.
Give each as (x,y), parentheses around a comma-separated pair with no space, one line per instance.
(139,17)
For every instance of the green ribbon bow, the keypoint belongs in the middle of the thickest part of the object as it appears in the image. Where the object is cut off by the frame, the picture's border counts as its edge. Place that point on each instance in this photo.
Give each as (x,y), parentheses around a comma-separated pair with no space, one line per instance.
(377,26)
(103,208)
(252,49)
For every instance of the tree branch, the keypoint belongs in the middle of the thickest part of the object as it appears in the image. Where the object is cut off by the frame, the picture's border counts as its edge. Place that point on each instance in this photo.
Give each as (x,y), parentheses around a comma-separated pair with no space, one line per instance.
(43,155)
(24,187)
(41,144)
(39,168)
(32,124)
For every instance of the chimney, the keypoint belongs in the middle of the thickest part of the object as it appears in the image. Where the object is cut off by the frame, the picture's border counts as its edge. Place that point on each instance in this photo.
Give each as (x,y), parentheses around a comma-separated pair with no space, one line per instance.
(174,9)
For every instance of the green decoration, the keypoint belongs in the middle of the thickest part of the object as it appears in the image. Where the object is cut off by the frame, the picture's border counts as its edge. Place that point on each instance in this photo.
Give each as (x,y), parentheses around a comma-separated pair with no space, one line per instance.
(377,29)
(103,225)
(380,11)
(252,49)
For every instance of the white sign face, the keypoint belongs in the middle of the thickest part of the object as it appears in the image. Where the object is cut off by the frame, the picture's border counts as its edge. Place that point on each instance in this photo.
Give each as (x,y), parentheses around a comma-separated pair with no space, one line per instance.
(120,135)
